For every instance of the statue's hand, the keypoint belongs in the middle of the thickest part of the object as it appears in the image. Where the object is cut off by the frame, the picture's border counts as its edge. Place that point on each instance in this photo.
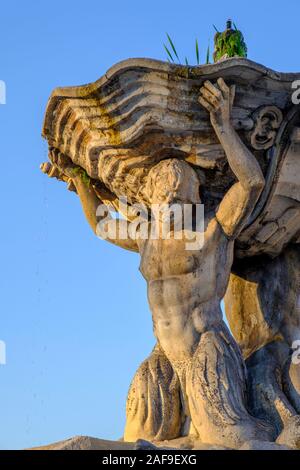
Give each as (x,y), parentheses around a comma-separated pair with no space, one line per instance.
(218,100)
(53,172)
(63,169)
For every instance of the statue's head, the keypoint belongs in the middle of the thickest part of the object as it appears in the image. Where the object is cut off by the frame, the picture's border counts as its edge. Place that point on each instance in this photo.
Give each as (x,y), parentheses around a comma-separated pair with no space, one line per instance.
(173,181)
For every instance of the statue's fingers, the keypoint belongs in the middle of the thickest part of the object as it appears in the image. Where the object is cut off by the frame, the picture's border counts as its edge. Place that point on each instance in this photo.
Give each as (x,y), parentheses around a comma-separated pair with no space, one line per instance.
(54,172)
(212,99)
(206,105)
(223,87)
(214,90)
(49,169)
(45,167)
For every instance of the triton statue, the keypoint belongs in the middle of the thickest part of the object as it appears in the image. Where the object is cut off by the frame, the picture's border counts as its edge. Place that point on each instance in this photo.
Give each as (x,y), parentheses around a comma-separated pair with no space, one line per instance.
(221,135)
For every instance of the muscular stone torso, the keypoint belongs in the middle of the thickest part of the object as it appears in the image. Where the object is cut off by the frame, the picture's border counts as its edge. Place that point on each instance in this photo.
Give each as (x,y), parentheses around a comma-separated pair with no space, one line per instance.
(185,287)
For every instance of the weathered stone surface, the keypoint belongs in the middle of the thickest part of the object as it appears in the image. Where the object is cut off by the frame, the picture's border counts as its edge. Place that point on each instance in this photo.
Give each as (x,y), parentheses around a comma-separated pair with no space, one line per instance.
(87,443)
(260,445)
(143,132)
(142,111)
(276,219)
(262,306)
(262,300)
(92,443)
(290,436)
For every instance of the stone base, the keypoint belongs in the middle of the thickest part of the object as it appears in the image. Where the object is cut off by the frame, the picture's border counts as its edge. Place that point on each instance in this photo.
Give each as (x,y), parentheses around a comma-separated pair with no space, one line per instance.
(184,443)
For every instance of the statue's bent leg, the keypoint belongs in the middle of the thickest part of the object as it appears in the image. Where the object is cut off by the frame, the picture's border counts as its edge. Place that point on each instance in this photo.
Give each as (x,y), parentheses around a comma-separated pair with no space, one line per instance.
(216,392)
(153,408)
(262,306)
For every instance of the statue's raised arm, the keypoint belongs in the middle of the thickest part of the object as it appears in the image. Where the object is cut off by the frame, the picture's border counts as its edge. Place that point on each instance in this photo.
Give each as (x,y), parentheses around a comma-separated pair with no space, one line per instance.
(97,213)
(239,202)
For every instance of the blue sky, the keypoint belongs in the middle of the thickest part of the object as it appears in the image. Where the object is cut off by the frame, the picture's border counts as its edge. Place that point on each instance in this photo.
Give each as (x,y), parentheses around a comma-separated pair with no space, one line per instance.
(74,314)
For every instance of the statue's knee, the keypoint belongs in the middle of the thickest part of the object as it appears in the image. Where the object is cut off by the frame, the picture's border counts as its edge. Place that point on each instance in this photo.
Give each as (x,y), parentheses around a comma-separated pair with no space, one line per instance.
(154,388)
(148,376)
(139,383)
(137,406)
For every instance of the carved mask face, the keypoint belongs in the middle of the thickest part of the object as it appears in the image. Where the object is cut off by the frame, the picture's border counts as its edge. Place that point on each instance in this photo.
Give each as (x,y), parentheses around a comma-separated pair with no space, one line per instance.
(267,122)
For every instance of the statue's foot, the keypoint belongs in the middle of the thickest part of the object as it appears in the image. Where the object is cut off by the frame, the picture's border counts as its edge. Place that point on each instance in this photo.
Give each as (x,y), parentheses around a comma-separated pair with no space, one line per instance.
(290,435)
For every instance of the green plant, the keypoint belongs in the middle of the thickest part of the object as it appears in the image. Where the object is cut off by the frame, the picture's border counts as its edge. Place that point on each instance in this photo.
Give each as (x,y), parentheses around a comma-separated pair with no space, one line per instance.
(230,43)
(83,174)
(197,52)
(173,49)
(173,54)
(208,55)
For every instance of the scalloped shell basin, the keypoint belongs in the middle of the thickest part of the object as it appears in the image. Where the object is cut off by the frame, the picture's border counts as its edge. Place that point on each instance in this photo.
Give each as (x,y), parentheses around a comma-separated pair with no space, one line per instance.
(144,110)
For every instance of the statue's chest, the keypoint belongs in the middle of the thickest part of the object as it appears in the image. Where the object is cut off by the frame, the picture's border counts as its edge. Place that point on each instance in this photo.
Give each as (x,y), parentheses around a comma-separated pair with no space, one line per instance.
(163,258)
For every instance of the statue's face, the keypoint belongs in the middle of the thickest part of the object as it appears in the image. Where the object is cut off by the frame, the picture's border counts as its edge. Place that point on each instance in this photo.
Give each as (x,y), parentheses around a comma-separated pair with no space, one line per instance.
(188,191)
(174,182)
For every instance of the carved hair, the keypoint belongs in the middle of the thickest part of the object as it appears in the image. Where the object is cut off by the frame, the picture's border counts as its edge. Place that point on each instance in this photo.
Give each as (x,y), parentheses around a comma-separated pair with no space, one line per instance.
(166,177)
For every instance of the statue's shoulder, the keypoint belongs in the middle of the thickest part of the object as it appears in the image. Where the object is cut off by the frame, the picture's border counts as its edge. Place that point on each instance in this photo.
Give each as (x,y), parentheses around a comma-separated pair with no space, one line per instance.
(213,230)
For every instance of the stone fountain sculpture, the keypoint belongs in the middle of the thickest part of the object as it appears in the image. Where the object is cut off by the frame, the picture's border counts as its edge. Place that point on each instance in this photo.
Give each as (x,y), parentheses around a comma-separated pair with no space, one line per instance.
(225,135)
